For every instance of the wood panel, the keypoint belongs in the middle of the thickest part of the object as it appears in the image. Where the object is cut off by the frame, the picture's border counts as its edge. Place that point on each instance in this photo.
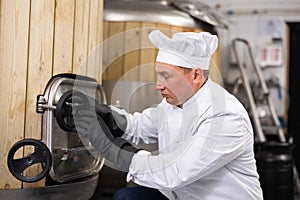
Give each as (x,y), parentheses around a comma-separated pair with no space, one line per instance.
(176,29)
(105,54)
(114,51)
(88,34)
(148,55)
(63,36)
(14,26)
(39,67)
(132,51)
(81,31)
(165,29)
(138,65)
(39,39)
(95,37)
(100,39)
(215,70)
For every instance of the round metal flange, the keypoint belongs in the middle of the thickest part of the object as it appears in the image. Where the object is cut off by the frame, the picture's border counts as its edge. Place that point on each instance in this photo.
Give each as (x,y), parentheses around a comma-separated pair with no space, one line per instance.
(40,155)
(67,107)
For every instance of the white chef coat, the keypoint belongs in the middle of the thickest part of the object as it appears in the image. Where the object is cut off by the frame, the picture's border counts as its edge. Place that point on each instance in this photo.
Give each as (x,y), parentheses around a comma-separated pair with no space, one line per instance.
(205,148)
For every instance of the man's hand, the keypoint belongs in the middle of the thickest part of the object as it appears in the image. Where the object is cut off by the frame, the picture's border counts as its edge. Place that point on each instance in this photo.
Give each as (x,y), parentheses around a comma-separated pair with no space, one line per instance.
(116,122)
(117,150)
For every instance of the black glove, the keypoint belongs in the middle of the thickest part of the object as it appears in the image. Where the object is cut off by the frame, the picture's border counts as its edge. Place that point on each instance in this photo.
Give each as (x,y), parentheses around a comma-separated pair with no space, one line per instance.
(116,122)
(118,151)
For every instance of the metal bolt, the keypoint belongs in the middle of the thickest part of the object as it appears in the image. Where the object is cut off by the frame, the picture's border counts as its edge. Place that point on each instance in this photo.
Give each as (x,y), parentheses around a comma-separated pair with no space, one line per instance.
(6,186)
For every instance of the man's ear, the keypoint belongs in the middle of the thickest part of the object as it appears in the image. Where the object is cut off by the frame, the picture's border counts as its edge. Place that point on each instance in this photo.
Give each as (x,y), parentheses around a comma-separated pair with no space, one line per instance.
(197,75)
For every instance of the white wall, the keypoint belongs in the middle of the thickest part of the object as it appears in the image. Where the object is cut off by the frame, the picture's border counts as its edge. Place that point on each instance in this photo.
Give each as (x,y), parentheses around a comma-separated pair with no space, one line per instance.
(249,20)
(266,7)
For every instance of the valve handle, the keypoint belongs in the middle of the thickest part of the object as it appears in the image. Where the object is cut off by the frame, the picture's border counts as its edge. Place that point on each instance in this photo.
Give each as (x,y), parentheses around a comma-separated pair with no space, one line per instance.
(67,106)
(40,155)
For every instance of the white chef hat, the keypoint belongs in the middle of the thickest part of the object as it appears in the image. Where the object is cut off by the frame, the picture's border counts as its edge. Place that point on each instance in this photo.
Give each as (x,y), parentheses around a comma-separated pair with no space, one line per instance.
(185,49)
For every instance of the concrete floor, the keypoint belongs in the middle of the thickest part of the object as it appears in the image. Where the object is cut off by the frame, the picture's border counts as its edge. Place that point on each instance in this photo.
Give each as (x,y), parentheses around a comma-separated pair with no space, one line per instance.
(98,195)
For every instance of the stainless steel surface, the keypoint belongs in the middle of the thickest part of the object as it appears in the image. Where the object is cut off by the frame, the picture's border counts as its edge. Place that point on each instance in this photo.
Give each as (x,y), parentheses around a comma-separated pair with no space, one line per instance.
(253,105)
(72,155)
(80,190)
(200,11)
(151,11)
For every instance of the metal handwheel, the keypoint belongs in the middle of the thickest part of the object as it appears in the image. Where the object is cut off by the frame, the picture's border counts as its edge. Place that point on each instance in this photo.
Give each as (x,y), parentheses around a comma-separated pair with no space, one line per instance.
(41,155)
(67,107)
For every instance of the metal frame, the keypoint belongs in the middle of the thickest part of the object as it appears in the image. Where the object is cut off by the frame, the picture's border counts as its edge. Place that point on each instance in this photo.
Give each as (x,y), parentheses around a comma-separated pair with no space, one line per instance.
(247,87)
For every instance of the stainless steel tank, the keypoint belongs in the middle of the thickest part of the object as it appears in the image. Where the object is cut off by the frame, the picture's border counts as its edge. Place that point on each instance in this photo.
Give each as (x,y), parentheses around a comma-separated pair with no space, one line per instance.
(183,13)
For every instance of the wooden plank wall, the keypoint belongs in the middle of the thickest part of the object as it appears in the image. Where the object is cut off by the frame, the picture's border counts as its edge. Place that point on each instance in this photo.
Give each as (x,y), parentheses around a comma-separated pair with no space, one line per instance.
(13,63)
(126,57)
(39,39)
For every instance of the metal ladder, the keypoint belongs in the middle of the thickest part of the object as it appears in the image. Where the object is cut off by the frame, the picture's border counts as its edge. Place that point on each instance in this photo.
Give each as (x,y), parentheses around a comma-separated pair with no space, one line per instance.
(266,94)
(253,107)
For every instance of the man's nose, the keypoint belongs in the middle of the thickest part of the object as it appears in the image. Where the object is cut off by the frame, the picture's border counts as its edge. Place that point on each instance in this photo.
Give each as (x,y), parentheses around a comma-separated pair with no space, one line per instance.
(159,86)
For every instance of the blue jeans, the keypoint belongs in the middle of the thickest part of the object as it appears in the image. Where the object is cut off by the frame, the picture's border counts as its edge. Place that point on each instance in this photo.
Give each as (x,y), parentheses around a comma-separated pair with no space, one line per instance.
(138,193)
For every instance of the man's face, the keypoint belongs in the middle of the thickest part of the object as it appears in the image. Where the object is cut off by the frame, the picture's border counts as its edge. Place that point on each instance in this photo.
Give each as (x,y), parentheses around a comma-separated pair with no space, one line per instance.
(175,83)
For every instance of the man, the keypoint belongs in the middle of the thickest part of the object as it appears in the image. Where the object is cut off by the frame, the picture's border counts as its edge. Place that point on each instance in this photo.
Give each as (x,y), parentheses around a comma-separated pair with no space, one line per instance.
(204,135)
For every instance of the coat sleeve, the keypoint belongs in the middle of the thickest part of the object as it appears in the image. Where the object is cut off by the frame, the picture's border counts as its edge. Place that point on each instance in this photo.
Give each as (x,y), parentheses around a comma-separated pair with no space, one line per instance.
(142,127)
(217,142)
